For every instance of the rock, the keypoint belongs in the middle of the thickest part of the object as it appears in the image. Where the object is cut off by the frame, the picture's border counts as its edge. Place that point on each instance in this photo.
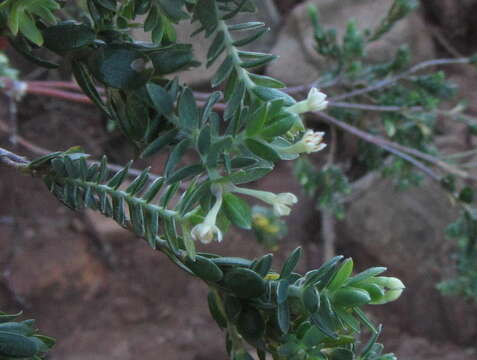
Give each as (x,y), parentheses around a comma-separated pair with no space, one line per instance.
(300,64)
(405,232)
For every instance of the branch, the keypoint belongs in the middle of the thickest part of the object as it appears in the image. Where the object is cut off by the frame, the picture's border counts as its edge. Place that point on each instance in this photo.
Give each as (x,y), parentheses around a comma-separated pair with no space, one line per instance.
(41,151)
(391,81)
(11,159)
(398,149)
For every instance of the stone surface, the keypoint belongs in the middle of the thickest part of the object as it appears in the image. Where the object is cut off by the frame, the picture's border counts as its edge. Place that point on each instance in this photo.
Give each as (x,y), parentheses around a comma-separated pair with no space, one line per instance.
(405,232)
(299,63)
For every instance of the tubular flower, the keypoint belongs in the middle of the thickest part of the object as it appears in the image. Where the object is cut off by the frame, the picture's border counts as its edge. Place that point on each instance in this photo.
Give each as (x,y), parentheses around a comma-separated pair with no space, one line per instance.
(316,101)
(281,202)
(310,142)
(208,231)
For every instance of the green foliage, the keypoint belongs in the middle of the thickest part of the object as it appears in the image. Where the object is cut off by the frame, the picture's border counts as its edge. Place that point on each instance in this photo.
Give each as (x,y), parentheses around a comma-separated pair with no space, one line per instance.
(211,156)
(464,230)
(329,186)
(394,101)
(21,339)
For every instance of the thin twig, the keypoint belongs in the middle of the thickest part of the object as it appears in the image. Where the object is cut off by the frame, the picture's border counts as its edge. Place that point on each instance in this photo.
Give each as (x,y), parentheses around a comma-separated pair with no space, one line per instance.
(41,151)
(367,107)
(392,80)
(398,149)
(11,159)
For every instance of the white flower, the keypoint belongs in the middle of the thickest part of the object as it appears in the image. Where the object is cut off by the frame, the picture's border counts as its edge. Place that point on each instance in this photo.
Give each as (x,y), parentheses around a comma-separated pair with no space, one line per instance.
(280,202)
(207,231)
(316,101)
(309,143)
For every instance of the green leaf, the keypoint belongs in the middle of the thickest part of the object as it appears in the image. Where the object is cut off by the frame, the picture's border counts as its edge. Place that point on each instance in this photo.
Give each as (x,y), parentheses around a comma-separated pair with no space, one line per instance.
(262,150)
(266,81)
(268,94)
(207,13)
(282,291)
(186,172)
(279,127)
(173,9)
(311,299)
(365,320)
(342,275)
(252,25)
(29,30)
(341,354)
(215,310)
(244,283)
(351,297)
(9,317)
(68,36)
(258,62)
(250,324)
(223,72)
(251,38)
(235,101)
(315,276)
(203,142)
(263,265)
(233,307)
(22,46)
(238,211)
(175,156)
(188,112)
(291,263)
(204,269)
(216,48)
(16,345)
(158,144)
(283,317)
(162,100)
(374,271)
(246,176)
(217,149)
(232,262)
(171,58)
(85,81)
(138,183)
(257,120)
(121,67)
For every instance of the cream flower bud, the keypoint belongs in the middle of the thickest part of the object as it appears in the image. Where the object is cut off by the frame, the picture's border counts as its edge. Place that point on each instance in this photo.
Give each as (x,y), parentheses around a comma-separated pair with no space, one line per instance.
(206,233)
(315,101)
(280,202)
(309,143)
(393,288)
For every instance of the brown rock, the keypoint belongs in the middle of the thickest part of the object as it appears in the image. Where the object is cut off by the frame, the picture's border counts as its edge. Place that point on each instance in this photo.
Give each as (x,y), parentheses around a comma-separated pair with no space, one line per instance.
(405,232)
(299,63)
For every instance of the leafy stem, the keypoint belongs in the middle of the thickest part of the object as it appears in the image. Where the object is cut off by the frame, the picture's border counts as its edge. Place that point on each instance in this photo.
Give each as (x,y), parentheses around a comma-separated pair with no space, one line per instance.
(233,52)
